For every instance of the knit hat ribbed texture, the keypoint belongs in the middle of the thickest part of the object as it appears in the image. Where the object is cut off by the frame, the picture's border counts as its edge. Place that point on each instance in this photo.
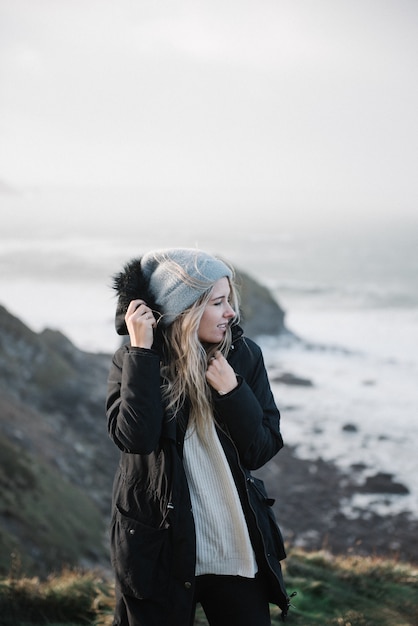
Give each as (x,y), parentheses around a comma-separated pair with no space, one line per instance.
(179,276)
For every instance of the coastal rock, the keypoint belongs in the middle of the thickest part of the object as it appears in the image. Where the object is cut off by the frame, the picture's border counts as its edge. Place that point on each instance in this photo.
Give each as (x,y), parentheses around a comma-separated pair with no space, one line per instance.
(350,428)
(383,483)
(291,379)
(261,314)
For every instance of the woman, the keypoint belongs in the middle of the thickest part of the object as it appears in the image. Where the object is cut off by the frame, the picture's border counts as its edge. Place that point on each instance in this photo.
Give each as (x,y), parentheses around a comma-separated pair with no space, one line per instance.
(190,407)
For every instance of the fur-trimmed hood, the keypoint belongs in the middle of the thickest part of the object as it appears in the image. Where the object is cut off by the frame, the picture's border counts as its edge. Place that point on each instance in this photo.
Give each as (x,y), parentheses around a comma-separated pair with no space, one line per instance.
(130,284)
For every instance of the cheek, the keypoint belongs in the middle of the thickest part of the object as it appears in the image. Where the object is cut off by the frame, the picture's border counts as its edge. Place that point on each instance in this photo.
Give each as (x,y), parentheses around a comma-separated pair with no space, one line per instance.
(203,329)
(206,326)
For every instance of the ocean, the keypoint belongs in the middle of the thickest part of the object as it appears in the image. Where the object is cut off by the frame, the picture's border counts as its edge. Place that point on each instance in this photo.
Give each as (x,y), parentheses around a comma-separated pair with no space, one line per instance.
(349,288)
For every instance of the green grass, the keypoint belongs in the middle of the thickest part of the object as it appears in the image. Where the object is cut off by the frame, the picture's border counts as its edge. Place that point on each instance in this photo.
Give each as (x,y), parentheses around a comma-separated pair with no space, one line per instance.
(70,598)
(351,591)
(331,591)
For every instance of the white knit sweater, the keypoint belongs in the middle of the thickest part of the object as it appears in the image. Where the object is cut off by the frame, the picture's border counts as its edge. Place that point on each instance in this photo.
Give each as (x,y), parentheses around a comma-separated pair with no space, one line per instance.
(222,541)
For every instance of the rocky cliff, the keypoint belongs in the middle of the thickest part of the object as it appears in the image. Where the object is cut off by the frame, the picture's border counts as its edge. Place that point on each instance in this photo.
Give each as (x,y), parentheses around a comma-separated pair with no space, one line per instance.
(56,460)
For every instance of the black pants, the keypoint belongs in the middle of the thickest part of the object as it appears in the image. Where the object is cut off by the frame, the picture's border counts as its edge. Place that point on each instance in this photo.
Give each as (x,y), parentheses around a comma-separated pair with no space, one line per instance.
(233,601)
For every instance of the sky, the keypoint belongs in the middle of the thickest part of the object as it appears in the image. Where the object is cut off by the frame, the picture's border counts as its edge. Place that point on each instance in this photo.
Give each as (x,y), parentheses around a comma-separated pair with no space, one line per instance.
(296,102)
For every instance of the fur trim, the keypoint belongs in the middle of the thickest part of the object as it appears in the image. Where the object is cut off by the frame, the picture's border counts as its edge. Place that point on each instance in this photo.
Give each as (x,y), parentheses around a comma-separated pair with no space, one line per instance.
(130,284)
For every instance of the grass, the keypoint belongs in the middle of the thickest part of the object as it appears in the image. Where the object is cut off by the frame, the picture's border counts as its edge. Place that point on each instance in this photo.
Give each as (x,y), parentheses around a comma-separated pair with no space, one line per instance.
(71,598)
(331,591)
(352,591)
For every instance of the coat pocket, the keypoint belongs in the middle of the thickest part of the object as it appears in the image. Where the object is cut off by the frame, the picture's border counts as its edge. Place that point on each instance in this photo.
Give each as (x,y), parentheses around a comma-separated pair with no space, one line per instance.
(266,518)
(138,553)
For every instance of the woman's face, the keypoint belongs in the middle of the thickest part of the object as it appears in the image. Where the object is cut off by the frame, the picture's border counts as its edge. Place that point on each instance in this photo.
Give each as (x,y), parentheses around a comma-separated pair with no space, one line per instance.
(217,314)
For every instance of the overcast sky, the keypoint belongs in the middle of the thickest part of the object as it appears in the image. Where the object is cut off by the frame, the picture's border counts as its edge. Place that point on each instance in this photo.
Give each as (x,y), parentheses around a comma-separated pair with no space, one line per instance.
(307,101)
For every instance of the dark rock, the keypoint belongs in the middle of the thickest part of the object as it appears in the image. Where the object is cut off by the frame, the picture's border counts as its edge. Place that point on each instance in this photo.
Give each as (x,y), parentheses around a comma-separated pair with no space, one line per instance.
(358,467)
(291,379)
(350,428)
(261,314)
(383,483)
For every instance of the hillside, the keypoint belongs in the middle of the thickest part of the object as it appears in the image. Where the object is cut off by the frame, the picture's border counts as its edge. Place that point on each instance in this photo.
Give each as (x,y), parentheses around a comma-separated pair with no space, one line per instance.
(56,461)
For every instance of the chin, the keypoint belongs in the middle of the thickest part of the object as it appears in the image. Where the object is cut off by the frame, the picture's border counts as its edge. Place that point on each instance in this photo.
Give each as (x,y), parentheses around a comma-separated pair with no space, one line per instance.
(212,339)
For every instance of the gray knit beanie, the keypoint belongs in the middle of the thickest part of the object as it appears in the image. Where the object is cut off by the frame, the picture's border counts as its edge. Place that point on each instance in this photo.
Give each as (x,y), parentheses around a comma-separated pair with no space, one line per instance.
(179,276)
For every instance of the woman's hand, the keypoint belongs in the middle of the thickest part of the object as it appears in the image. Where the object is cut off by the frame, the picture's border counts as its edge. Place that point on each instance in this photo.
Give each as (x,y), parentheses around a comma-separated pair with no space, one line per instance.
(220,374)
(140,322)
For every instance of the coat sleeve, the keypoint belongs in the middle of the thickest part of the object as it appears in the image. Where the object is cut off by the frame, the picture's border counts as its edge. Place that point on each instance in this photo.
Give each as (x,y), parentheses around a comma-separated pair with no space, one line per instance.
(133,405)
(249,411)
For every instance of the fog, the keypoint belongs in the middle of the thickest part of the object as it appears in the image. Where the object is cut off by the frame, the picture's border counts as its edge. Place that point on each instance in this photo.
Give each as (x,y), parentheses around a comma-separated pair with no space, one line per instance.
(288,107)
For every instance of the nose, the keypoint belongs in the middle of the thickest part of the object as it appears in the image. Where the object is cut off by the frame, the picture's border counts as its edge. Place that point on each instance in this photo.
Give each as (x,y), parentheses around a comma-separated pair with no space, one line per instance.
(229,312)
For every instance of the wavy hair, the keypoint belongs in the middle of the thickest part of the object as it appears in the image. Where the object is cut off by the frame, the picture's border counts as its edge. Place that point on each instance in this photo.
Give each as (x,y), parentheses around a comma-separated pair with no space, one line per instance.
(186,360)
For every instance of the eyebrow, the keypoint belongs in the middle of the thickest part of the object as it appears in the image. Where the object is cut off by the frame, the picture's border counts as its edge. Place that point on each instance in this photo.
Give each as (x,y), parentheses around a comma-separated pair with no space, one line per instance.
(220,297)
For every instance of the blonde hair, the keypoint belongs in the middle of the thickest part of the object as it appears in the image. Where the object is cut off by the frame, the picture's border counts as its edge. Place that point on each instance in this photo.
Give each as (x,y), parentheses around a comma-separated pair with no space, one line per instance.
(186,361)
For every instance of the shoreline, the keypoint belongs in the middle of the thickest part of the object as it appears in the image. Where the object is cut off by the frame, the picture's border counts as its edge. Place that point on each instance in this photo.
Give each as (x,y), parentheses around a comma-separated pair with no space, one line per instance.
(311,497)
